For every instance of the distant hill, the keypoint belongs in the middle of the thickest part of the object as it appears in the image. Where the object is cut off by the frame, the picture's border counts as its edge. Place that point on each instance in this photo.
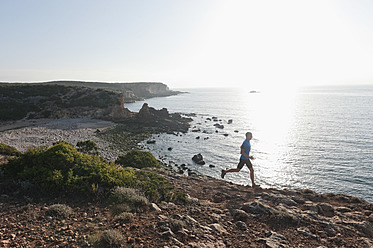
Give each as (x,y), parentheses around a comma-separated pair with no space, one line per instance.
(65,99)
(134,91)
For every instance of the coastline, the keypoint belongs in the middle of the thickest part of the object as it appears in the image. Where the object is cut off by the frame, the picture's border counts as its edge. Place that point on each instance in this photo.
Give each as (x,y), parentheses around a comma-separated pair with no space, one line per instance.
(219,213)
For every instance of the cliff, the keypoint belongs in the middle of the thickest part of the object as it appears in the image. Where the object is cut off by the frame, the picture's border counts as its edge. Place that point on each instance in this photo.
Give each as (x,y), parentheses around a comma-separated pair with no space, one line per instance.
(73,99)
(131,91)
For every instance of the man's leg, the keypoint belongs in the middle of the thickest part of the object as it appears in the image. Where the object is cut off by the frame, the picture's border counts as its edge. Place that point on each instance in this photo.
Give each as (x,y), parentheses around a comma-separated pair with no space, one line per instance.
(239,167)
(252,176)
(223,172)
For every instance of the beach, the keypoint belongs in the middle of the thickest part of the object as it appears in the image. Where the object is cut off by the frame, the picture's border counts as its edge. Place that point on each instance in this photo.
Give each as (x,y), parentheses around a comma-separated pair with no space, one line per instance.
(26,134)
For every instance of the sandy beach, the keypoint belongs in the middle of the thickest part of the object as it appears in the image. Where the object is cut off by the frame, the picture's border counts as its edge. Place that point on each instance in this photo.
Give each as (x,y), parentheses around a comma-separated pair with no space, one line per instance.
(44,132)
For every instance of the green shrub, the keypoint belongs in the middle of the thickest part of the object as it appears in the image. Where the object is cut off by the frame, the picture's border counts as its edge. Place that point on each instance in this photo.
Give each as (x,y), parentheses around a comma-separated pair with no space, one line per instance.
(62,168)
(111,239)
(129,196)
(8,150)
(157,189)
(138,159)
(88,147)
(60,210)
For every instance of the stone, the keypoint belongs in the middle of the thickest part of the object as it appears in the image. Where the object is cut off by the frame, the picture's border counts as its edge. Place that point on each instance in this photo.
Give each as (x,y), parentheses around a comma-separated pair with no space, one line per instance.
(167,234)
(155,207)
(325,209)
(275,240)
(218,228)
(255,207)
(198,159)
(240,215)
(241,225)
(370,218)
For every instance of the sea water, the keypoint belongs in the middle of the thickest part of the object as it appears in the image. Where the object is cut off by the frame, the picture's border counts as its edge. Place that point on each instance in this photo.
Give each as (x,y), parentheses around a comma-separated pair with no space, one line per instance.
(318,138)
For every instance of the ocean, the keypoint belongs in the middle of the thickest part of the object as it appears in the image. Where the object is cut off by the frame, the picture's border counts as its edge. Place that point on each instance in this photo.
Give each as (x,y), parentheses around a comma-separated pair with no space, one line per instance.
(320,138)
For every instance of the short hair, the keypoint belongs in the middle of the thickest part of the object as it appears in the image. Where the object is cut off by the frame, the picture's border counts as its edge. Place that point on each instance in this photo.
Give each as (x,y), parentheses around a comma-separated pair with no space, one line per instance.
(249,133)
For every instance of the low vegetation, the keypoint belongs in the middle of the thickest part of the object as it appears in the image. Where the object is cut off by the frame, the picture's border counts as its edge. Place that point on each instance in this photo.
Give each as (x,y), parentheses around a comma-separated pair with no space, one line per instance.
(111,239)
(62,169)
(138,159)
(59,210)
(8,150)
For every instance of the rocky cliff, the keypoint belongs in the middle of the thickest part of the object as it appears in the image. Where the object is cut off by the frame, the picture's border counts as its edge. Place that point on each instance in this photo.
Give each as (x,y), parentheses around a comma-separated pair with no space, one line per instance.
(71,99)
(131,91)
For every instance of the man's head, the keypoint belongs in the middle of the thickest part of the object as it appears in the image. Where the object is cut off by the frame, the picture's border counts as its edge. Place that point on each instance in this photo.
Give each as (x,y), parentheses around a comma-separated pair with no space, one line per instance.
(249,135)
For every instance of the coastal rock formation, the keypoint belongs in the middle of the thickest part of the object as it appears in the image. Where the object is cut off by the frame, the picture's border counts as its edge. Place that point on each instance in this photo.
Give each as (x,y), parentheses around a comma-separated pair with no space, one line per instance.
(65,99)
(160,120)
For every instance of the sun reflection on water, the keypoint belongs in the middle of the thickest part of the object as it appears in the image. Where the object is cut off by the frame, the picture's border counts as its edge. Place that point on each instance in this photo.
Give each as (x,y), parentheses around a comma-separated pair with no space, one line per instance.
(272,118)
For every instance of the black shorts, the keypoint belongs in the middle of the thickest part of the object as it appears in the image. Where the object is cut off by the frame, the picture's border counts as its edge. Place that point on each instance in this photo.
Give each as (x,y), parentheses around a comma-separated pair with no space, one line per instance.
(244,161)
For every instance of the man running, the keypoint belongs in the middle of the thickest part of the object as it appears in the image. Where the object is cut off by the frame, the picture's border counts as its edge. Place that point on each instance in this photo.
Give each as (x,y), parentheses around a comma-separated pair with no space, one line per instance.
(244,159)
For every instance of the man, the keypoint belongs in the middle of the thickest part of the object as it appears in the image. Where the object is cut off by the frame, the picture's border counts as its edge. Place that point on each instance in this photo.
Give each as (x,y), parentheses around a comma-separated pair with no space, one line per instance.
(244,159)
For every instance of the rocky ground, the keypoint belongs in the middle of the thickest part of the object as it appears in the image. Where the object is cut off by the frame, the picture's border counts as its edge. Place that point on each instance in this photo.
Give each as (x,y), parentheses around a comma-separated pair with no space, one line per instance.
(220,214)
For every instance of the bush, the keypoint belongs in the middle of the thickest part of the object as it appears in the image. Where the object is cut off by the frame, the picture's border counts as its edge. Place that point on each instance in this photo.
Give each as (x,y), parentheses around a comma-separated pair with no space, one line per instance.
(111,239)
(129,196)
(62,168)
(138,159)
(8,150)
(124,217)
(88,147)
(60,210)
(157,189)
(119,209)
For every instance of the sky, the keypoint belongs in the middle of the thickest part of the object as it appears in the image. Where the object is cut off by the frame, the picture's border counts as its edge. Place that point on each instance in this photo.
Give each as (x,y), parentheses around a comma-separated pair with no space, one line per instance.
(188,43)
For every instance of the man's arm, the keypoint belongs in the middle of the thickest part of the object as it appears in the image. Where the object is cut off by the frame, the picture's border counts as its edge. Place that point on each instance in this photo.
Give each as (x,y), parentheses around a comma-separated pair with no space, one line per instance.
(243,153)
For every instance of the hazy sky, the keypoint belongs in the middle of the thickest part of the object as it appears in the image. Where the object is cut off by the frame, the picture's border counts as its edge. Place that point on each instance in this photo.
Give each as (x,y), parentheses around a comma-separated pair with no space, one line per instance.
(188,43)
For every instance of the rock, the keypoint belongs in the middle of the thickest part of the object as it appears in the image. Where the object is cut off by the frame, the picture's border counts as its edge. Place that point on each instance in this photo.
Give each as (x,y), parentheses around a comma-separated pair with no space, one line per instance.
(215,244)
(220,197)
(241,225)
(155,207)
(212,166)
(343,209)
(170,148)
(198,159)
(365,227)
(240,215)
(167,234)
(255,207)
(230,121)
(150,142)
(325,209)
(370,219)
(305,232)
(218,228)
(217,125)
(275,240)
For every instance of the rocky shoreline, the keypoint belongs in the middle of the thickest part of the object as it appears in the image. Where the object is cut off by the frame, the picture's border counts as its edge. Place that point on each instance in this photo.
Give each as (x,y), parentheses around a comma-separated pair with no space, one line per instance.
(219,213)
